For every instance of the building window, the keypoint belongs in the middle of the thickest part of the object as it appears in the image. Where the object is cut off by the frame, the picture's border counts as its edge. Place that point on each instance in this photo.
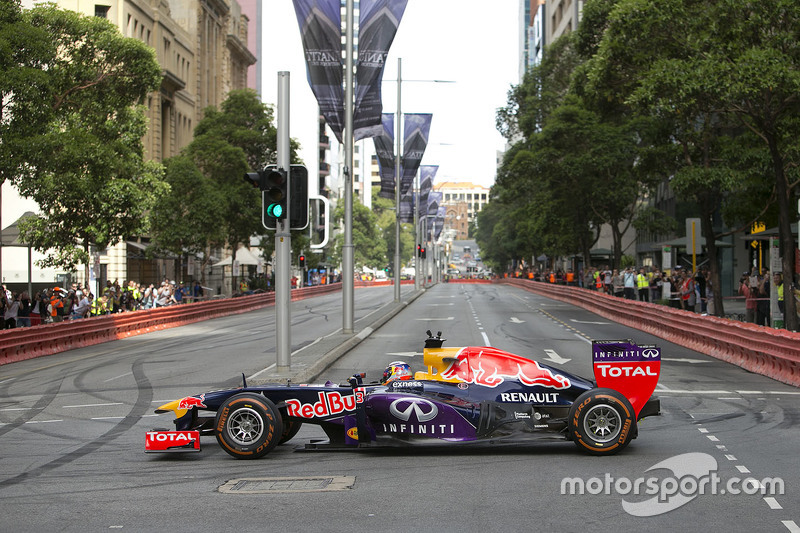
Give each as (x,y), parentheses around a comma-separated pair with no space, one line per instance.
(101,11)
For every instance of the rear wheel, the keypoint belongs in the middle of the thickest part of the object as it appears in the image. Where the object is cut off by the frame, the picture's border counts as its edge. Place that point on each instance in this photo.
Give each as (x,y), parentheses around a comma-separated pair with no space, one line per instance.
(248,426)
(602,422)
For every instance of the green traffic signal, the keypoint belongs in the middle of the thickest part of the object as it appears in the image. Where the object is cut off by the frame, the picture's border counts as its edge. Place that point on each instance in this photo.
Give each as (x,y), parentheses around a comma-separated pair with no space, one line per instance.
(275,193)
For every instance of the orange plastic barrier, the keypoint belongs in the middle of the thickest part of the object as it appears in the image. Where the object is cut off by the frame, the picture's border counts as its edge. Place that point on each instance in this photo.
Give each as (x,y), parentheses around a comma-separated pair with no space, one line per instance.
(771,352)
(27,343)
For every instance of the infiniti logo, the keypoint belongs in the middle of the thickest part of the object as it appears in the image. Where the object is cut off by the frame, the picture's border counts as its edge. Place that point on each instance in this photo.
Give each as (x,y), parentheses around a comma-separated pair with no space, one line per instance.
(651,352)
(423,409)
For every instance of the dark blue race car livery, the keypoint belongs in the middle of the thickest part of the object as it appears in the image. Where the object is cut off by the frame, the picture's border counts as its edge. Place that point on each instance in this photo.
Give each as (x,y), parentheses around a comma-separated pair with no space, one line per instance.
(469,395)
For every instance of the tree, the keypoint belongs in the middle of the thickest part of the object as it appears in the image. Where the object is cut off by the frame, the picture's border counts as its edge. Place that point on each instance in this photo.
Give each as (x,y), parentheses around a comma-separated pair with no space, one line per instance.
(210,204)
(85,167)
(732,66)
(369,245)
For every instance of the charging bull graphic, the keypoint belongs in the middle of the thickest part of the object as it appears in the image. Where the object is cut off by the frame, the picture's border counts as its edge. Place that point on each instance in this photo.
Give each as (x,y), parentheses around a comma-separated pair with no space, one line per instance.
(490,367)
(192,401)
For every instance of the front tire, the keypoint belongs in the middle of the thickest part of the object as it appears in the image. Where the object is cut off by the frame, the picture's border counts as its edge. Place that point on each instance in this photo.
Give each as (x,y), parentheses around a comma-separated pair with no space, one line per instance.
(248,426)
(602,422)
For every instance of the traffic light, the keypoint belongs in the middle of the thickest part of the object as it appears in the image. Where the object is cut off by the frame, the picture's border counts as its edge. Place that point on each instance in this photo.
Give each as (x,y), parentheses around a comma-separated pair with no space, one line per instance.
(419,250)
(422,252)
(302,261)
(254,179)
(275,189)
(298,215)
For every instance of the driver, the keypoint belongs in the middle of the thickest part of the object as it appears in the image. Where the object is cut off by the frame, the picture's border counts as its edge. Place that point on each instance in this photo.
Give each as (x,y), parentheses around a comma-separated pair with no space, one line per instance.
(397,370)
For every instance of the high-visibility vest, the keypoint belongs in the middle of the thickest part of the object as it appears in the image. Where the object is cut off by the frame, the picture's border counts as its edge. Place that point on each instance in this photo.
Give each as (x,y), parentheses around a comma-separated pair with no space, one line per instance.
(570,277)
(642,282)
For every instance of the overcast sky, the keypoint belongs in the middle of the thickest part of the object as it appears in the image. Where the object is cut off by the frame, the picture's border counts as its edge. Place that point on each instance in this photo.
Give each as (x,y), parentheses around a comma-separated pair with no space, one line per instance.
(470,42)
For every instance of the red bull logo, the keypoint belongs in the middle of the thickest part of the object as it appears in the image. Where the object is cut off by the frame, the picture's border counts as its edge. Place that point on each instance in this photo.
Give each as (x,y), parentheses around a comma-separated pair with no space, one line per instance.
(192,401)
(490,368)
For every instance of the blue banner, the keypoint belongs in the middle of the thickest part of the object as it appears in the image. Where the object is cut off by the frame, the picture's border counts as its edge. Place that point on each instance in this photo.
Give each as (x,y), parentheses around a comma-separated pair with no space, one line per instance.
(427,173)
(377,26)
(416,128)
(321,31)
(384,150)
(407,208)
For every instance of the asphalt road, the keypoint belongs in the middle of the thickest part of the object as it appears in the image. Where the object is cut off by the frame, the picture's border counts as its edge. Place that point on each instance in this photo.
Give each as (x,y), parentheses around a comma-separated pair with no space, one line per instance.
(72,435)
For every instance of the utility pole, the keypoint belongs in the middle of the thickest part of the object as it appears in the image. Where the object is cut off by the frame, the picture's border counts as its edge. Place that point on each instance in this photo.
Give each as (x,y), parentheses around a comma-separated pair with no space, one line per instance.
(347,248)
(283,236)
(397,166)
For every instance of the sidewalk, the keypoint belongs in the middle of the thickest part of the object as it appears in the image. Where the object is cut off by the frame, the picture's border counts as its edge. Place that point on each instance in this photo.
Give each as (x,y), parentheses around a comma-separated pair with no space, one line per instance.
(311,360)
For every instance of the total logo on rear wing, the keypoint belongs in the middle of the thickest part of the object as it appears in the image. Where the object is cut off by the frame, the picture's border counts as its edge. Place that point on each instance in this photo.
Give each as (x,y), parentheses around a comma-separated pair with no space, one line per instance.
(627,368)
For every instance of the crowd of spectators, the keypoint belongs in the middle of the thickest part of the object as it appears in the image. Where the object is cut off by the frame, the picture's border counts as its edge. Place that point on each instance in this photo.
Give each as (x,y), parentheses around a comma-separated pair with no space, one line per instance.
(681,288)
(57,303)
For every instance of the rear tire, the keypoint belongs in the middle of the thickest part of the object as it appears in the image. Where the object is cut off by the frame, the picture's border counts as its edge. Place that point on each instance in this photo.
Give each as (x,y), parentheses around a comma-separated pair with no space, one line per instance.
(248,426)
(602,422)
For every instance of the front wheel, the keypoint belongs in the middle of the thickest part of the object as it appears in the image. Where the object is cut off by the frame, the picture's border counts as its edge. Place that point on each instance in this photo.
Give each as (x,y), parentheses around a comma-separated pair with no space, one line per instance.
(602,421)
(248,426)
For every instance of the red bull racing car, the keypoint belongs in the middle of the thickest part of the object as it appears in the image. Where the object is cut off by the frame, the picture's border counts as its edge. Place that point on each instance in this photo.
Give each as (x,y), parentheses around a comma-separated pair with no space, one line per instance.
(467,395)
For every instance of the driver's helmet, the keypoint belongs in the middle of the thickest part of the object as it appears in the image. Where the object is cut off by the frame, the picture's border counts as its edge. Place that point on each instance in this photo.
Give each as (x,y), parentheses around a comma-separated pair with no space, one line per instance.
(397,370)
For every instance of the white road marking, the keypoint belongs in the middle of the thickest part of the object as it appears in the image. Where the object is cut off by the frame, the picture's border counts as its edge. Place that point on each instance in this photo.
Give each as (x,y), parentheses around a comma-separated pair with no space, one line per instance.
(553,357)
(17,409)
(92,405)
(730,457)
(404,354)
(588,322)
(791,526)
(41,421)
(516,320)
(683,360)
(702,430)
(773,503)
(743,469)
(712,438)
(433,319)
(117,377)
(485,339)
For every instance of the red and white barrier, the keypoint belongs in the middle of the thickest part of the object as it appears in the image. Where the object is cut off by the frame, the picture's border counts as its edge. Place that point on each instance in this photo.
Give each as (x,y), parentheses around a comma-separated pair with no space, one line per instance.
(771,352)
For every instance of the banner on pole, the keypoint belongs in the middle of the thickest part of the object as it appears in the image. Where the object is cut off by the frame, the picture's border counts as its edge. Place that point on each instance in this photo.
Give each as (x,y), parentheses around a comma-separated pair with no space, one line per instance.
(384,149)
(377,25)
(407,208)
(426,175)
(321,31)
(416,128)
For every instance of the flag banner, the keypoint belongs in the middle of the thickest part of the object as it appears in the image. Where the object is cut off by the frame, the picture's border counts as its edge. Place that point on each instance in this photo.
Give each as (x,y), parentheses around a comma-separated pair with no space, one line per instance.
(434,201)
(416,128)
(440,222)
(377,25)
(384,149)
(321,31)
(426,175)
(407,208)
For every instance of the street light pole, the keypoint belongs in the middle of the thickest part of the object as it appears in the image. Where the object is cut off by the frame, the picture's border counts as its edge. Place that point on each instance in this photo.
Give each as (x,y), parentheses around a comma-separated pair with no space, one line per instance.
(347,248)
(398,139)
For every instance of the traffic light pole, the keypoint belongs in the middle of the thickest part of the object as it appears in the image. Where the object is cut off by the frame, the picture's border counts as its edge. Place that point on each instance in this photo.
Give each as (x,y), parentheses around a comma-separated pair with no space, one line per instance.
(398,138)
(283,238)
(348,270)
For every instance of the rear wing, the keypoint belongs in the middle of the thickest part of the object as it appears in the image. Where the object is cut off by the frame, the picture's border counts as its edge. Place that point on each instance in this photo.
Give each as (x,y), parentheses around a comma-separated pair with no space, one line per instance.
(627,368)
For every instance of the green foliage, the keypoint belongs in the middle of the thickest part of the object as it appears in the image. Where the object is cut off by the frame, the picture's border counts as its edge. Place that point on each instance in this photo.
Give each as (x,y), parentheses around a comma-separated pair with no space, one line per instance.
(369,244)
(75,139)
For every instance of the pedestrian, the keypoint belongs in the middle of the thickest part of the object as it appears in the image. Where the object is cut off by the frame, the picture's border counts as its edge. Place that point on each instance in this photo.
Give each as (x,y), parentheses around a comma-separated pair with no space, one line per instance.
(751,298)
(643,284)
(83,307)
(687,292)
(24,312)
(629,283)
(11,309)
(617,284)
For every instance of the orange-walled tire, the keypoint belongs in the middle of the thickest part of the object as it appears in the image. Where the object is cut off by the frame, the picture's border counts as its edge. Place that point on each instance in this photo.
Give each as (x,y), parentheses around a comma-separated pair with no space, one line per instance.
(602,422)
(248,426)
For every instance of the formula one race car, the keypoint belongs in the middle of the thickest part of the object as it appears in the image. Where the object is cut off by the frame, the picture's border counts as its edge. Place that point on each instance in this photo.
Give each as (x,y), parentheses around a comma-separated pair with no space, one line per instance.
(466,395)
